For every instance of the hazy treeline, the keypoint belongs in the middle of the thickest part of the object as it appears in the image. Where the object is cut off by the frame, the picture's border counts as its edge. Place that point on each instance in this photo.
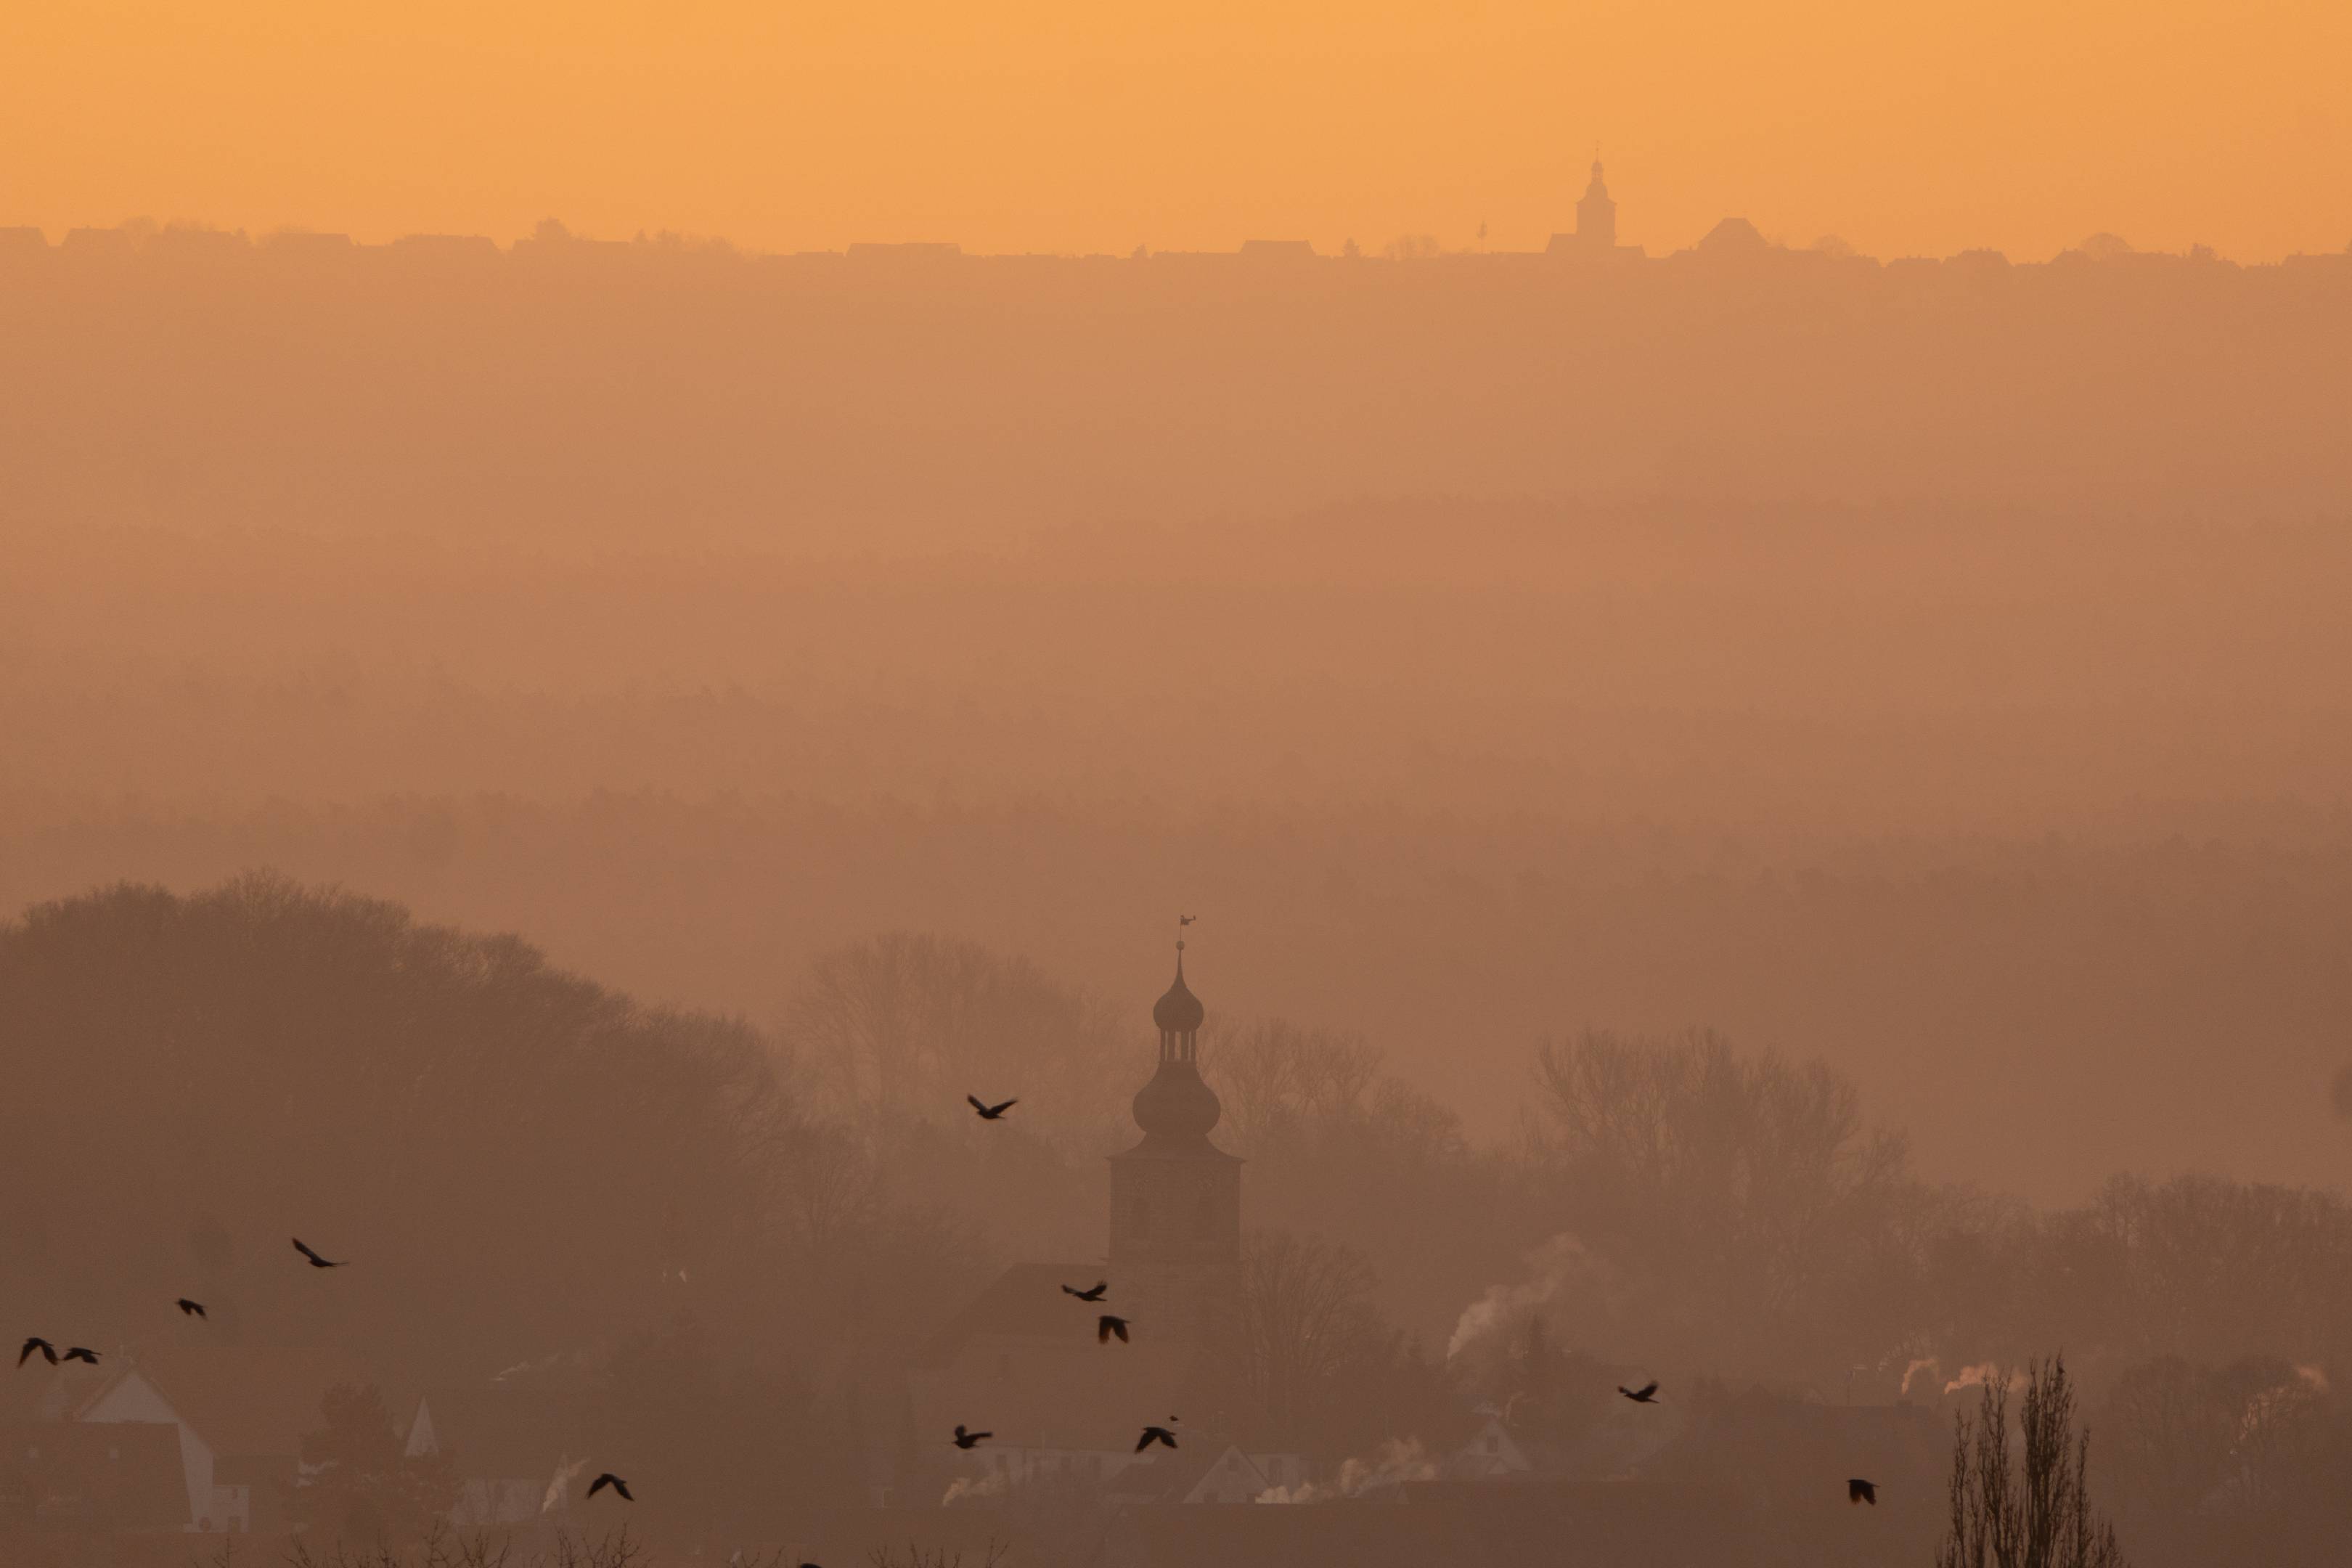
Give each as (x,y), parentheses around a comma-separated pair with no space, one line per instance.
(726,1239)
(1946,797)
(572,389)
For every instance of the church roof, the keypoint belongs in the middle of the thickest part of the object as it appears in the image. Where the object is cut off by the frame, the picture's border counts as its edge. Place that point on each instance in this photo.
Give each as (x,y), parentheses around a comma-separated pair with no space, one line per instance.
(1178,1011)
(1205,1470)
(493,1431)
(1025,1301)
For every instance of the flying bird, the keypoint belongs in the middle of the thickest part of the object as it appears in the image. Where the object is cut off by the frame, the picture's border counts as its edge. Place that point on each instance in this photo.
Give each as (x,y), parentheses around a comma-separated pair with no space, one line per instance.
(38,1343)
(964,1439)
(1093,1293)
(190,1309)
(1107,1325)
(316,1261)
(1861,1492)
(1645,1394)
(609,1480)
(990,1112)
(81,1352)
(1154,1435)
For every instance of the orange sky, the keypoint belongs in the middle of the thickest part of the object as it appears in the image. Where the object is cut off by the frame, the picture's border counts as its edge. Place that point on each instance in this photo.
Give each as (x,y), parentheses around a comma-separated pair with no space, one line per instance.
(1073,125)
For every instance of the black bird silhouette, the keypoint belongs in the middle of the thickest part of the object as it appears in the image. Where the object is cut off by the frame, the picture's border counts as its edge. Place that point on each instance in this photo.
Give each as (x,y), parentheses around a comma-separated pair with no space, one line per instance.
(82,1353)
(1186,919)
(316,1261)
(1154,1435)
(1107,1325)
(609,1480)
(1645,1394)
(38,1343)
(1861,1492)
(990,1112)
(964,1439)
(1093,1293)
(192,1309)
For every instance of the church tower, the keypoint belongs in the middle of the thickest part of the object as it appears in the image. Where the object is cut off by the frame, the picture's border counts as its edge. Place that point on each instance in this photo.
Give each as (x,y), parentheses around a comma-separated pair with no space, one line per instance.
(1176,1204)
(1596,214)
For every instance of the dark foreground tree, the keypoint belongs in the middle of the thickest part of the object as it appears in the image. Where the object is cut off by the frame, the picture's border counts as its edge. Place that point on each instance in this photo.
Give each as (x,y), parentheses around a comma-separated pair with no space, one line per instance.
(2035,1513)
(362,1485)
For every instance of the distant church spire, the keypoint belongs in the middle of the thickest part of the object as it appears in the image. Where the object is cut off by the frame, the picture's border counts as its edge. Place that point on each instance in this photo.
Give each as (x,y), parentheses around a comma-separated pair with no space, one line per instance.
(1596,214)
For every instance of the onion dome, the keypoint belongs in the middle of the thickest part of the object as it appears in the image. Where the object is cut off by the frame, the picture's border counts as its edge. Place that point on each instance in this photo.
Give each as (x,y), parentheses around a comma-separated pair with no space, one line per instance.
(1177,1108)
(1176,1104)
(1179,1012)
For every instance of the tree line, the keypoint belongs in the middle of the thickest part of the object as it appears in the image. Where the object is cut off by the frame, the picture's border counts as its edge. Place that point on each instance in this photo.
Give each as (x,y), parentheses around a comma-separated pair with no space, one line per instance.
(726,1236)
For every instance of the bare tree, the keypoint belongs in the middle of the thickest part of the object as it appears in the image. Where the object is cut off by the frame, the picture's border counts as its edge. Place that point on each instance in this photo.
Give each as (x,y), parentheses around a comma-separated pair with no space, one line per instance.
(1308,1316)
(1717,1176)
(908,1024)
(936,1557)
(2036,1514)
(443,1548)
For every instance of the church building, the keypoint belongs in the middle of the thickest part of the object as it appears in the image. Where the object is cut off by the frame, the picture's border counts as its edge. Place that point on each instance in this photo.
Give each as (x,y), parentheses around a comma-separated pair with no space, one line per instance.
(1022,1361)
(1596,224)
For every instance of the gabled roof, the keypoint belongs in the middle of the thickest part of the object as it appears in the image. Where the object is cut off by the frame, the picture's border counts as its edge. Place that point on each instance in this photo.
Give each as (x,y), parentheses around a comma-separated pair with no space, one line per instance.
(1025,1301)
(1208,1472)
(242,1403)
(496,1431)
(1491,1451)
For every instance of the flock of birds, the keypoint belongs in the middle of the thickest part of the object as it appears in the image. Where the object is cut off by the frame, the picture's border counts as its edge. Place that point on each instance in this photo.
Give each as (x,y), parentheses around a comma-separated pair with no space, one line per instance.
(1108,1326)
(35,1345)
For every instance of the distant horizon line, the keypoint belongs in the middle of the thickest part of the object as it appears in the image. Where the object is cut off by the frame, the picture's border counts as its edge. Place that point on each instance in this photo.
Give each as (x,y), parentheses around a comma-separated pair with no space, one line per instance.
(1730,233)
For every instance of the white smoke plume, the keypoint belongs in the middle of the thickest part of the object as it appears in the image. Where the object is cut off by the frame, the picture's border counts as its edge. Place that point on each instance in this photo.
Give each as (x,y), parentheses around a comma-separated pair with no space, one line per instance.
(565,1474)
(528,1366)
(1984,1371)
(1552,1268)
(1399,1460)
(963,1489)
(1928,1364)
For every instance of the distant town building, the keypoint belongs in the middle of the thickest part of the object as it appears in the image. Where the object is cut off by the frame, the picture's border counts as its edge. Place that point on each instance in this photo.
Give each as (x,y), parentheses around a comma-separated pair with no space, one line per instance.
(1596,223)
(1596,214)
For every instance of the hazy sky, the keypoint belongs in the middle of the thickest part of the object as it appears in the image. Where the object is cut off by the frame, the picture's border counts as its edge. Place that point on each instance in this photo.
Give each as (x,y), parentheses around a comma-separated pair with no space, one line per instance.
(1915,128)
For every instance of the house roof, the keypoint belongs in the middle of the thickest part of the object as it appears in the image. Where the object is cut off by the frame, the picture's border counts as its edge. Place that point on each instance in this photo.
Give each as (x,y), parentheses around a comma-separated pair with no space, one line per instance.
(496,1431)
(1025,1301)
(126,1475)
(242,1403)
(1177,1477)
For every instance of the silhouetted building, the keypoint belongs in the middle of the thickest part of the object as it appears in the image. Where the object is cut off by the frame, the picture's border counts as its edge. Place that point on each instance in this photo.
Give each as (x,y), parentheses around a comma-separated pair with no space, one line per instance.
(1176,1200)
(1596,214)
(116,1475)
(1023,1359)
(1596,223)
(510,1448)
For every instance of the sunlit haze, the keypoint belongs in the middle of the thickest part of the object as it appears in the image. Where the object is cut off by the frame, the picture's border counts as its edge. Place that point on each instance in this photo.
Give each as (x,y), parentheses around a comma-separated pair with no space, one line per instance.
(1175,786)
(1047,125)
